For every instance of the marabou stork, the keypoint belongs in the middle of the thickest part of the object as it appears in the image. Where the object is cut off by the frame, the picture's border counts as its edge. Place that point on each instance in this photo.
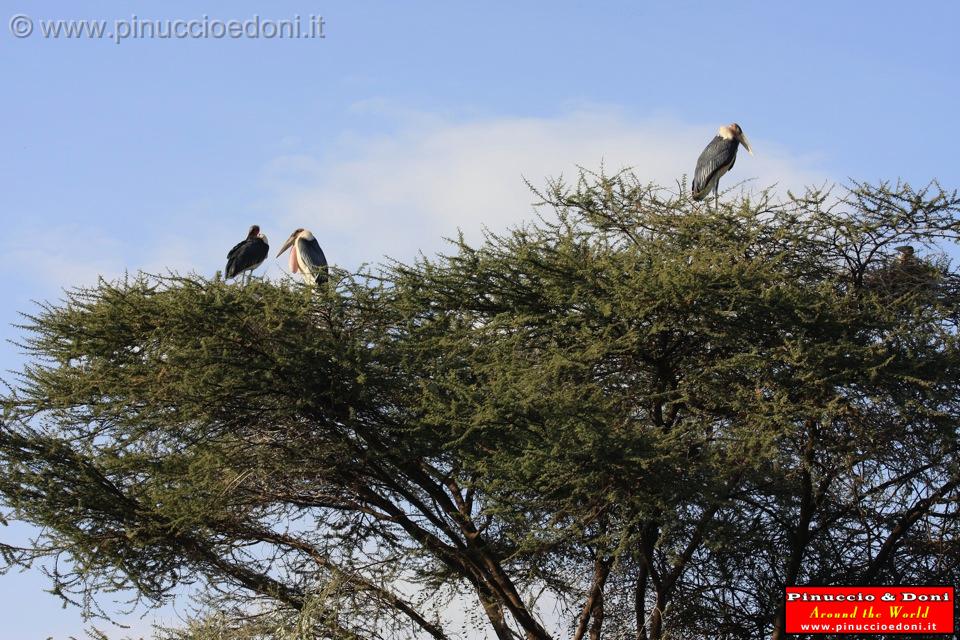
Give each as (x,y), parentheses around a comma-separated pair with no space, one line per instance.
(717,159)
(306,256)
(906,254)
(247,255)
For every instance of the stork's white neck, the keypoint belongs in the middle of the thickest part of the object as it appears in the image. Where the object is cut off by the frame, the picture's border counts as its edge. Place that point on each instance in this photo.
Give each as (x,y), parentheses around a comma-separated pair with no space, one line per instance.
(726,133)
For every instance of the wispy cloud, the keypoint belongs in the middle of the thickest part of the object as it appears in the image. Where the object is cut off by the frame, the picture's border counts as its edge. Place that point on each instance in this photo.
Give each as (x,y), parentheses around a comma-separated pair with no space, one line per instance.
(62,255)
(401,192)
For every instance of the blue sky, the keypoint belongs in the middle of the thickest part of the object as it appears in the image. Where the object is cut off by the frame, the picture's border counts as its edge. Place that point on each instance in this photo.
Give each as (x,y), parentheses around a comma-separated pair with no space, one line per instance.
(412,119)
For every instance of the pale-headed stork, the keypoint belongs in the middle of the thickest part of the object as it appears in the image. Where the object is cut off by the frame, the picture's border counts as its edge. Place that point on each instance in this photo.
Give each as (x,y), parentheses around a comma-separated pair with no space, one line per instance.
(717,159)
(306,256)
(247,255)
(907,254)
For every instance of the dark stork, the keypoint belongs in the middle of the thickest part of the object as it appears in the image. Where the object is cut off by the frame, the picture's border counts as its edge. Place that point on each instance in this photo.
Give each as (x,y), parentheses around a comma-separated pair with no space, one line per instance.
(717,159)
(247,255)
(306,256)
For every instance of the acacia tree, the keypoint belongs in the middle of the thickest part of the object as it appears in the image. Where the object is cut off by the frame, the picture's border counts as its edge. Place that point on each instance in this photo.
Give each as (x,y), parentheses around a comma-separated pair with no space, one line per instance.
(639,417)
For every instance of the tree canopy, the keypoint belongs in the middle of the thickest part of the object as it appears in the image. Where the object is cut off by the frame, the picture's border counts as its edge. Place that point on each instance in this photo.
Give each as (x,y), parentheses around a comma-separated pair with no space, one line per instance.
(638,416)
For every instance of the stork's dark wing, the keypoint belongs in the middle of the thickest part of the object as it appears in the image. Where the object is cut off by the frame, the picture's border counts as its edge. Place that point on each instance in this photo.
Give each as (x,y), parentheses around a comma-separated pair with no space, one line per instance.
(311,256)
(719,156)
(246,255)
(235,249)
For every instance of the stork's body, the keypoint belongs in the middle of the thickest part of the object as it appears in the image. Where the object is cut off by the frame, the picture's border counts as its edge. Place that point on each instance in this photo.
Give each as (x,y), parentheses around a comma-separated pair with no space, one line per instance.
(906,254)
(306,257)
(718,158)
(247,255)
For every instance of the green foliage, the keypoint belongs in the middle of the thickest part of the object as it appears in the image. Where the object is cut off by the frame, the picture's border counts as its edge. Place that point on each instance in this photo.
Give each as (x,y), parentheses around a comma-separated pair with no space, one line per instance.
(653,411)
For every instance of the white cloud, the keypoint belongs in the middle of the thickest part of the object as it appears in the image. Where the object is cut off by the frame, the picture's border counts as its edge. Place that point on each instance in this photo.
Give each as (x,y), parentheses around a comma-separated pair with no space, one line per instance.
(401,192)
(27,253)
(60,257)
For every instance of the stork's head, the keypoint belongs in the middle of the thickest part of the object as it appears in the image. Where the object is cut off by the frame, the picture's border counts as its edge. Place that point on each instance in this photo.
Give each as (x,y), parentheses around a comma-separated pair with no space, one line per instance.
(734,132)
(289,243)
(254,231)
(906,253)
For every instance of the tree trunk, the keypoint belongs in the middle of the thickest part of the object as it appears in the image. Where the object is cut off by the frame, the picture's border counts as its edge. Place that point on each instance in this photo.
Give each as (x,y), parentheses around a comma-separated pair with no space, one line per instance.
(593,607)
(656,616)
(640,602)
(495,615)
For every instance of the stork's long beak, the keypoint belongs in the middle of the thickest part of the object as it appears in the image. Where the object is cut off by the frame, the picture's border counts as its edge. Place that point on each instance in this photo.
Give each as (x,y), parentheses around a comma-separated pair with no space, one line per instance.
(746,143)
(287,244)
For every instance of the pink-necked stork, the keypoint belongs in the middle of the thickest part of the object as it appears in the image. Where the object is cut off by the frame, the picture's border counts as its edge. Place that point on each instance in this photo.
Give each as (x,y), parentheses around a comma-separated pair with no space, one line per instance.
(717,159)
(306,257)
(247,255)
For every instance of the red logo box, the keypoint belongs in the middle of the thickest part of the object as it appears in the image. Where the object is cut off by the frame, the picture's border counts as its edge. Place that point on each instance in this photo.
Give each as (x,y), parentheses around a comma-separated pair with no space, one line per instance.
(869,610)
